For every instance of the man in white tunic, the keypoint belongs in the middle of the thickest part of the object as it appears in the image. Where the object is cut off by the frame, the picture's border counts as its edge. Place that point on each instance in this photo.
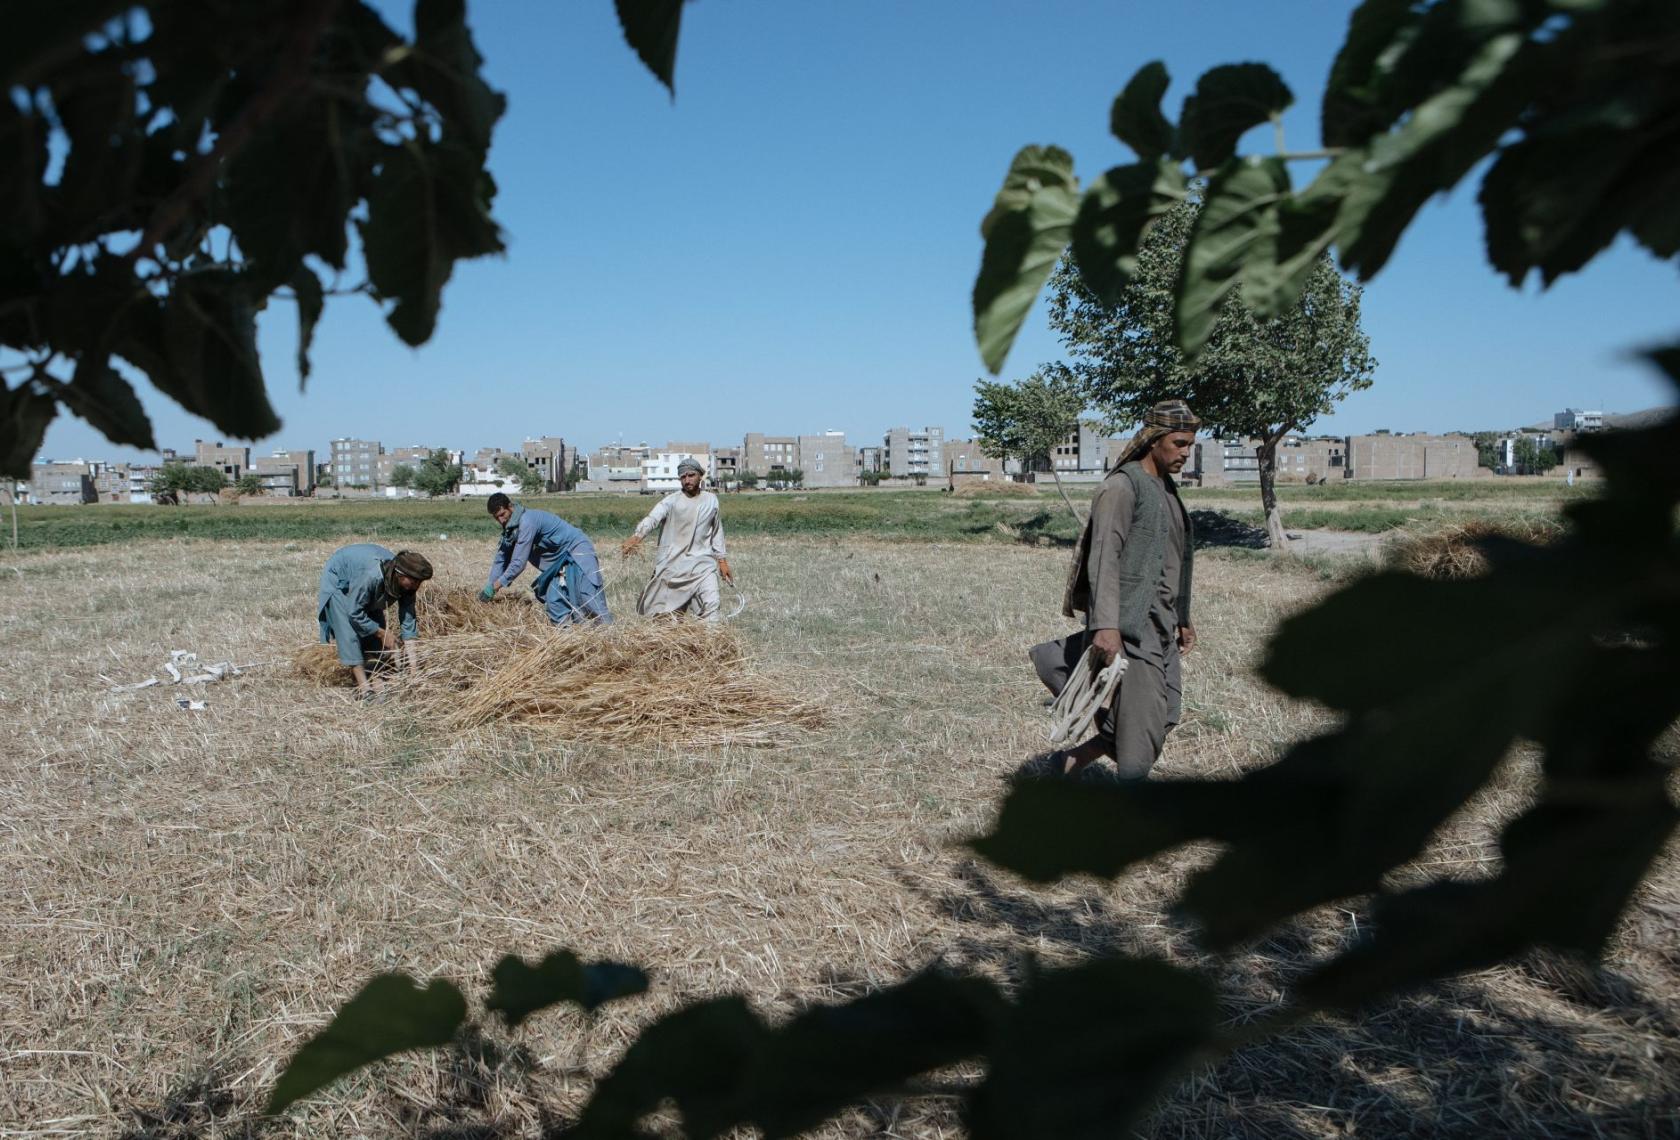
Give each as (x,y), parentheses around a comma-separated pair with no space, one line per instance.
(691,550)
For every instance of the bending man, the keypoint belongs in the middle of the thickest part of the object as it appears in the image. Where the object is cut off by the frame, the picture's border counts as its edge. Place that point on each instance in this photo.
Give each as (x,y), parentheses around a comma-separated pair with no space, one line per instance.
(691,550)
(1131,578)
(357,583)
(568,583)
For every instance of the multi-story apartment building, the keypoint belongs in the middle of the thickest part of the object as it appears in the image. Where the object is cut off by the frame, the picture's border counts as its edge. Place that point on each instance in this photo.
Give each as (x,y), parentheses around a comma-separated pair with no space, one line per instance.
(659,470)
(110,481)
(966,461)
(906,453)
(355,463)
(550,457)
(765,455)
(1575,419)
(868,459)
(61,482)
(726,464)
(230,461)
(827,460)
(286,474)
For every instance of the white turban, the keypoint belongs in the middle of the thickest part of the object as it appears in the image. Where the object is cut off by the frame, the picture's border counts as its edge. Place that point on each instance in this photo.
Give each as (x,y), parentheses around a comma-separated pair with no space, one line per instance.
(690,463)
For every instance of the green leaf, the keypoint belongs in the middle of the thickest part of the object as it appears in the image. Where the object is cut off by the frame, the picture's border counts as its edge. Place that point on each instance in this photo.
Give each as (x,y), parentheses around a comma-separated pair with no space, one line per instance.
(443,68)
(209,337)
(1227,103)
(39,35)
(389,1015)
(1234,241)
(1136,118)
(832,1056)
(428,207)
(520,990)
(311,301)
(1088,1049)
(1026,231)
(650,28)
(1115,213)
(24,416)
(107,401)
(1352,110)
(699,1057)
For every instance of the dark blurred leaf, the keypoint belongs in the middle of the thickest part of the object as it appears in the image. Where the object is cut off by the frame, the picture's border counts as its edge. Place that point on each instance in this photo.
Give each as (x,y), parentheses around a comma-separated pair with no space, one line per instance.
(429,206)
(831,1056)
(1026,231)
(107,401)
(97,111)
(1351,112)
(650,28)
(1087,1049)
(520,990)
(1228,102)
(389,1015)
(289,192)
(443,67)
(1114,214)
(24,416)
(700,1057)
(1136,117)
(311,301)
(1234,240)
(1439,142)
(39,35)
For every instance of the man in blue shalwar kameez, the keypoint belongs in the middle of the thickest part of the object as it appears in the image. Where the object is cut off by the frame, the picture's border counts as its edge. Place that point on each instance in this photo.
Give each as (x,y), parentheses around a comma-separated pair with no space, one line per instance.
(357,584)
(568,583)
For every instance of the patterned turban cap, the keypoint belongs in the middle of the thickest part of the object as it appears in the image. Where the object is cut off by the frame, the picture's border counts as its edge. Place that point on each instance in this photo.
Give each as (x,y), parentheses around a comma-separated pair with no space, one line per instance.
(690,464)
(1163,419)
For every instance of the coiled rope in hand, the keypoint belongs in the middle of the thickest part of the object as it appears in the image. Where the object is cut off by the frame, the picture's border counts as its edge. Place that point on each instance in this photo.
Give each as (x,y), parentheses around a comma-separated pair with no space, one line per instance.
(1073,714)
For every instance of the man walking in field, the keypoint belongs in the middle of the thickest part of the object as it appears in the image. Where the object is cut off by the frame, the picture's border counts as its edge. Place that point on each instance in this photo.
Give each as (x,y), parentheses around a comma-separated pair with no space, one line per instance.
(1131,578)
(568,581)
(357,584)
(691,554)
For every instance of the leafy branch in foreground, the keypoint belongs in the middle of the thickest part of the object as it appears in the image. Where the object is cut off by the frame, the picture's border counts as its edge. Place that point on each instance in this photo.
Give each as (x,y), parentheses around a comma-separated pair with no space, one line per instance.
(1576,101)
(215,156)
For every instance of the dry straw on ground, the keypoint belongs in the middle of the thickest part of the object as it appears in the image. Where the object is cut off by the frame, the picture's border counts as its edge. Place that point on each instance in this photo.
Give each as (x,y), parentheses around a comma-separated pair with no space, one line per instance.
(1454,551)
(637,681)
(193,893)
(1006,489)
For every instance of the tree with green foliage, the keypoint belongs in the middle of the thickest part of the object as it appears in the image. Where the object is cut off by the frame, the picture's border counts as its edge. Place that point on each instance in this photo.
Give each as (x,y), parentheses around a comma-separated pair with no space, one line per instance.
(1028,420)
(1533,457)
(402,476)
(437,474)
(1487,449)
(748,479)
(1255,377)
(173,481)
(521,472)
(171,166)
(249,483)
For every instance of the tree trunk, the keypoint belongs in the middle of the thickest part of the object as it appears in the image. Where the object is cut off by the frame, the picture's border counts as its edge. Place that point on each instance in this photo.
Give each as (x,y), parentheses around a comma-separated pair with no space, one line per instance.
(1267,456)
(1072,510)
(11,493)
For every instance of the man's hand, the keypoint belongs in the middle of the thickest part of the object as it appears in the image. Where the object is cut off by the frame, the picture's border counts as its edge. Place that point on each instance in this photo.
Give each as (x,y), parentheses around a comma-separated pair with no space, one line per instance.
(1186,639)
(387,638)
(723,568)
(1107,644)
(487,593)
(629,546)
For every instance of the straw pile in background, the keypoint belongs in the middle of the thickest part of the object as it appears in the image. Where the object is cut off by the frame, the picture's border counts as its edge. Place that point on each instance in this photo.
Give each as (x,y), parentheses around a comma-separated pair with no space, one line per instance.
(664,681)
(1453,551)
(1003,490)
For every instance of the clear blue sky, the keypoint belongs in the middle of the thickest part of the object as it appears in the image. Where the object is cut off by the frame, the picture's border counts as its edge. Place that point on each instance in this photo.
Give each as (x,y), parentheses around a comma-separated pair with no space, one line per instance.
(789,246)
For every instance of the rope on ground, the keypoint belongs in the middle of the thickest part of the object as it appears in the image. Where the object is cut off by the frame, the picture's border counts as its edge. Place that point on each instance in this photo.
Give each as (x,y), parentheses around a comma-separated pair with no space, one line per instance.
(1073,715)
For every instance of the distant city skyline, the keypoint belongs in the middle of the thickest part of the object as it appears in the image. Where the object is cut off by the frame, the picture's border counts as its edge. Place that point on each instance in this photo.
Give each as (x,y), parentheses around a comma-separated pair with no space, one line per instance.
(789,246)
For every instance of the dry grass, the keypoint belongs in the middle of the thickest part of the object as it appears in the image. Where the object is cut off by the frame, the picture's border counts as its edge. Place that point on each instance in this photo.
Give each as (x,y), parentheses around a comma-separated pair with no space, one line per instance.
(1000,490)
(1454,550)
(191,894)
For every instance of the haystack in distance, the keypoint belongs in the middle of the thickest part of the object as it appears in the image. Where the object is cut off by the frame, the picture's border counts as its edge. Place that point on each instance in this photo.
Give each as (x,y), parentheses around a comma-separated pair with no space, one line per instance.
(633,682)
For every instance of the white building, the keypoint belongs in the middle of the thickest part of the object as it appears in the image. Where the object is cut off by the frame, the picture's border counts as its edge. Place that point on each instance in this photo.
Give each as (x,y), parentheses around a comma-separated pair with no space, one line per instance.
(659,470)
(482,482)
(1575,419)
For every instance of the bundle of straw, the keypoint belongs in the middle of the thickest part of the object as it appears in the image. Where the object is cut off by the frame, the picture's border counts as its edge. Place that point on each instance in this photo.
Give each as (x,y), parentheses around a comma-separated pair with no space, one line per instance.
(1454,551)
(661,681)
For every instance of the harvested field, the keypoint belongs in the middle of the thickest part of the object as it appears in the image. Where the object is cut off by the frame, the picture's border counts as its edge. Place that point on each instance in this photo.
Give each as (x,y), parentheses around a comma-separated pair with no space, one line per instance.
(193,893)
(1454,550)
(998,490)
